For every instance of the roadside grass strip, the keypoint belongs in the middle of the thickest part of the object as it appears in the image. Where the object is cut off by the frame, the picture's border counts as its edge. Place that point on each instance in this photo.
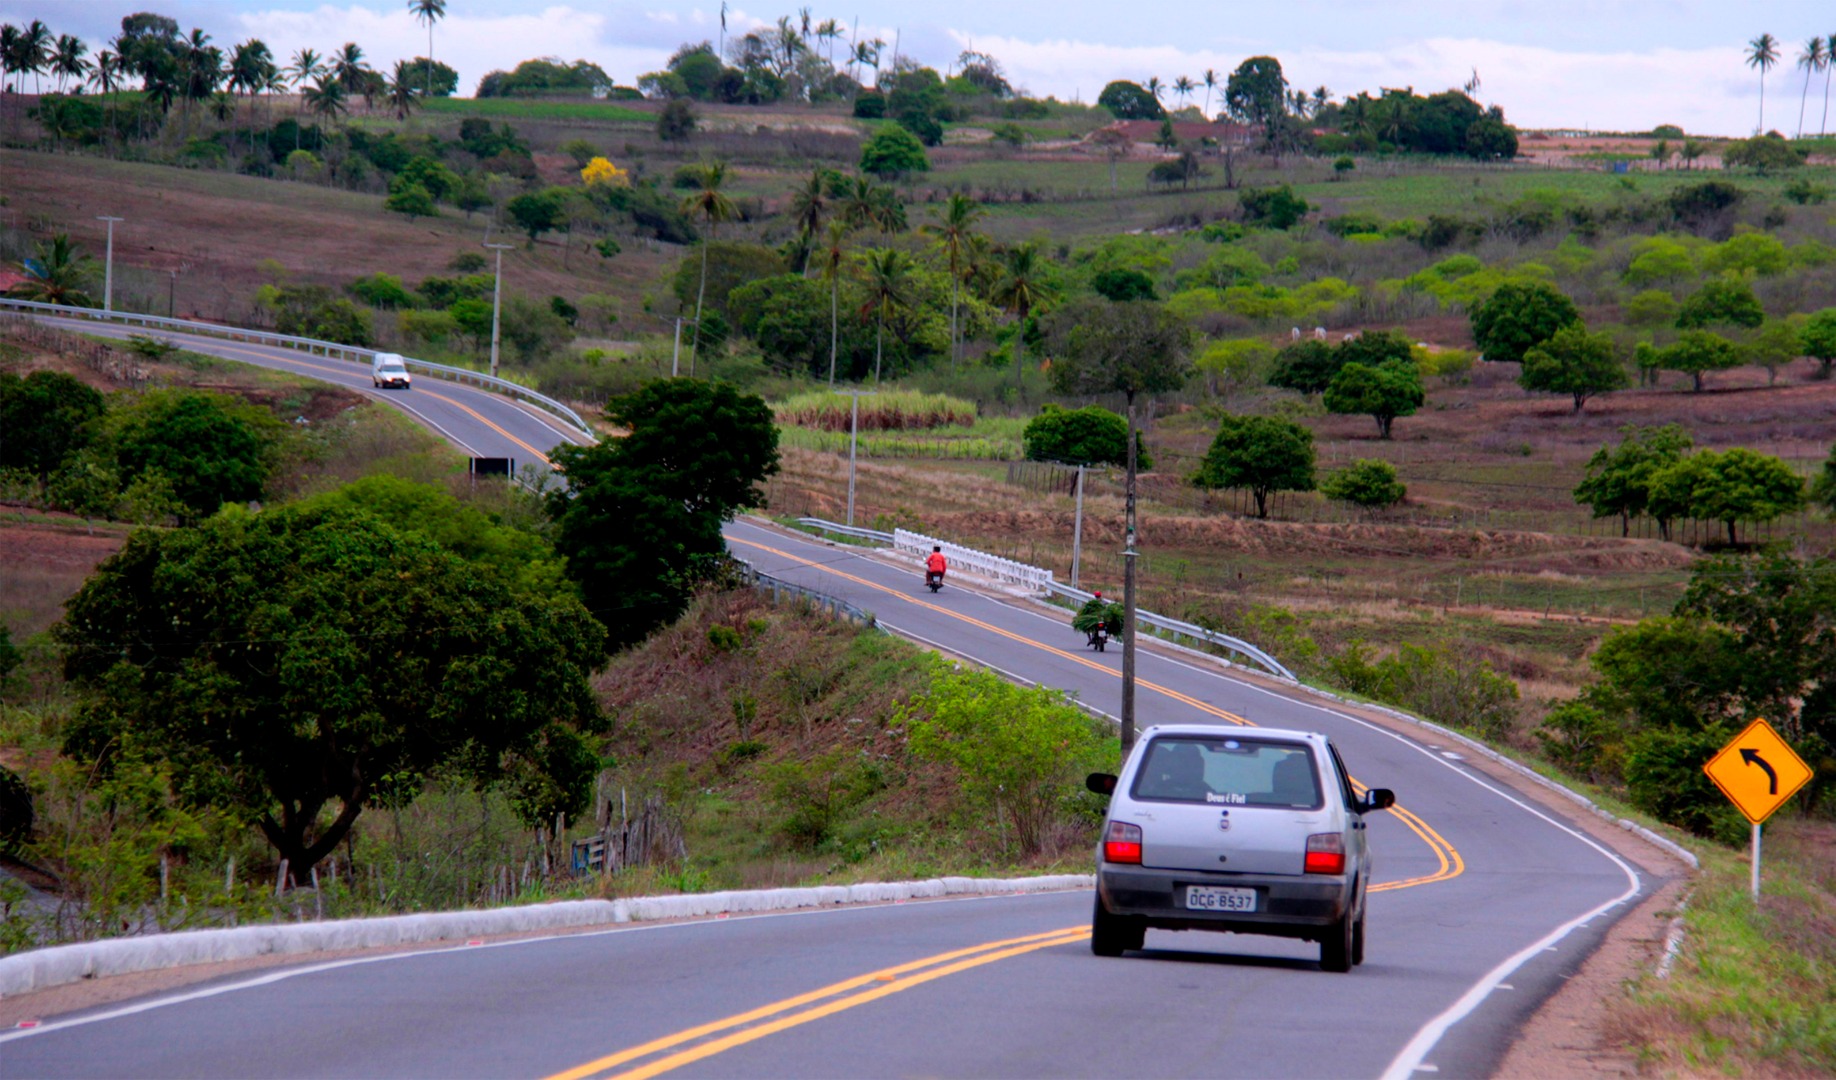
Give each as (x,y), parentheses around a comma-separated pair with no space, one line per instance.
(706,1040)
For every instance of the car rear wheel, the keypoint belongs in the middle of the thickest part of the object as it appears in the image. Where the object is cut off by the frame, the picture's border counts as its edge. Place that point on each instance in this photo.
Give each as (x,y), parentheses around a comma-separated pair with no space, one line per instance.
(1338,948)
(1112,935)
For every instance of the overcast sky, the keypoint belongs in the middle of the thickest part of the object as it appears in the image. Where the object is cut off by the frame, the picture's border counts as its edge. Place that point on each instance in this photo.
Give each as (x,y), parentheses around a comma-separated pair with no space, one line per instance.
(1597,64)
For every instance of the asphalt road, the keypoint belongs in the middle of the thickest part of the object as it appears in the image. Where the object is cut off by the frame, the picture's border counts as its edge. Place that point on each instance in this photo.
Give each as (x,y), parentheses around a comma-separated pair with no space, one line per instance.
(1483,905)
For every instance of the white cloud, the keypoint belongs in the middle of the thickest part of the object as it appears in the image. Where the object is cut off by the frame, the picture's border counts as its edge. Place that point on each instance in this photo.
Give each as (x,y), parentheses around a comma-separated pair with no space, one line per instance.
(1705,90)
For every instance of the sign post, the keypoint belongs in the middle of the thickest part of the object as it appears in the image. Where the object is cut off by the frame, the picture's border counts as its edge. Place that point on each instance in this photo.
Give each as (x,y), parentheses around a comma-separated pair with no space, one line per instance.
(1758,772)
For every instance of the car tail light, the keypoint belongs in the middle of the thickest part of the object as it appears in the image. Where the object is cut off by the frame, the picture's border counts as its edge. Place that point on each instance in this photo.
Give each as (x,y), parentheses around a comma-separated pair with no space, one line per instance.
(1123,844)
(1326,853)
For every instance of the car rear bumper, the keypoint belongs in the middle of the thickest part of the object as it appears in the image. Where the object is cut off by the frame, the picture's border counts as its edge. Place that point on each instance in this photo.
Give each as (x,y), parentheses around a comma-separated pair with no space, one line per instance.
(1286,905)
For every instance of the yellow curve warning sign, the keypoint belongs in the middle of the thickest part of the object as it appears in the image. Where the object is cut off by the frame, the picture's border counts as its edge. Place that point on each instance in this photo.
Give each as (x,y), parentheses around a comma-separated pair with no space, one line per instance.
(1757,771)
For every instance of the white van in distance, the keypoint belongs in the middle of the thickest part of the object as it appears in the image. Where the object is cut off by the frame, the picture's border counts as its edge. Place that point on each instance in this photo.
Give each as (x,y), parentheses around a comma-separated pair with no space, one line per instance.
(388,370)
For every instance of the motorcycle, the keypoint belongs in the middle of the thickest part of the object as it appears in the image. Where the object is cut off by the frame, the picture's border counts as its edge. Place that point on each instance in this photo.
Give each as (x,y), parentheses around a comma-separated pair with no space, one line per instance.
(933,580)
(1098,638)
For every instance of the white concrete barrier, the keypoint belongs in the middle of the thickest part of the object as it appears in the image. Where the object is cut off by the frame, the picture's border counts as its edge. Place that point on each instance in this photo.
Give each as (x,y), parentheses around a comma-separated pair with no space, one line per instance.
(41,969)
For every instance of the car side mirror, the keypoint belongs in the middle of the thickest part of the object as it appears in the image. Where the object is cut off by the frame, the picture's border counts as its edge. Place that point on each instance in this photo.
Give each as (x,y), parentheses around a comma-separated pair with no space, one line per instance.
(1377,798)
(1101,782)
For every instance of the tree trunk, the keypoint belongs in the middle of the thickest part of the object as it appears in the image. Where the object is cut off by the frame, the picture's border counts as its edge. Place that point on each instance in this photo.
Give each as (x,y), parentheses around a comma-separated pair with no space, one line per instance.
(1697,376)
(878,336)
(1625,525)
(953,343)
(1262,502)
(1580,399)
(700,295)
(1383,426)
(1128,594)
(834,331)
(1731,538)
(1019,351)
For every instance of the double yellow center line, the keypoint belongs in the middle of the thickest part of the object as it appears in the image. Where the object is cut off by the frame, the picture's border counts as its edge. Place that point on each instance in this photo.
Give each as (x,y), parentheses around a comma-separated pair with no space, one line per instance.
(674,1051)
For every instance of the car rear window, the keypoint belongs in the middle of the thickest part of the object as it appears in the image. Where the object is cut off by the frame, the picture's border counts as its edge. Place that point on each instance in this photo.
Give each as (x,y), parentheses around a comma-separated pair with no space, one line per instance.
(1228,771)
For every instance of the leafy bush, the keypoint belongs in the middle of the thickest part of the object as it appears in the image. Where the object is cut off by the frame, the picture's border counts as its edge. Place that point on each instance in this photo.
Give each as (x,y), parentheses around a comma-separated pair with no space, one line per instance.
(893,151)
(1664,778)
(1019,752)
(1442,684)
(1365,482)
(1088,436)
(1276,207)
(380,290)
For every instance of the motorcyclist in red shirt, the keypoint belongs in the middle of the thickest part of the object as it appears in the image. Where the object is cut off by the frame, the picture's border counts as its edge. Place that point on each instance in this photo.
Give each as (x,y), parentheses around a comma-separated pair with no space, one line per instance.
(934,566)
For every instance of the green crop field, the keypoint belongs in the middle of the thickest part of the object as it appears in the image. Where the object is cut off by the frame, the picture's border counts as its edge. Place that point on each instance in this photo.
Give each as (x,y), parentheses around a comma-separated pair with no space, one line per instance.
(533,109)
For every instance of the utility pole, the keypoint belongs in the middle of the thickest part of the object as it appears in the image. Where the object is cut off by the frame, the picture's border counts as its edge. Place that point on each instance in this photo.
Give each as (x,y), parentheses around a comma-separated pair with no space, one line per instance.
(497,295)
(675,359)
(1077,529)
(1128,595)
(108,272)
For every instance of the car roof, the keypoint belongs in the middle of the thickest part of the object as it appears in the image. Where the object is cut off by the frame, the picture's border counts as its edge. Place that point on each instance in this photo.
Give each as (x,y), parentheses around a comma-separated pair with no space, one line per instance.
(1215,730)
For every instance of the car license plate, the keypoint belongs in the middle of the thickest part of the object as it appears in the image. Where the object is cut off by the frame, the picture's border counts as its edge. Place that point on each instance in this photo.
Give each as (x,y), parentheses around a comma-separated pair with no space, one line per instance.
(1214,898)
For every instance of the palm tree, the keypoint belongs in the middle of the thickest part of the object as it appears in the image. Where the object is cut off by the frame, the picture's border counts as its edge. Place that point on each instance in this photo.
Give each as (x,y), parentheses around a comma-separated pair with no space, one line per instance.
(1156,87)
(889,288)
(249,69)
(403,97)
(1810,60)
(60,274)
(808,205)
(326,98)
(952,230)
(103,76)
(35,51)
(1763,53)
(203,68)
(67,60)
(714,207)
(834,252)
(348,68)
(1182,89)
(429,12)
(1211,83)
(1829,62)
(1020,290)
(829,30)
(865,203)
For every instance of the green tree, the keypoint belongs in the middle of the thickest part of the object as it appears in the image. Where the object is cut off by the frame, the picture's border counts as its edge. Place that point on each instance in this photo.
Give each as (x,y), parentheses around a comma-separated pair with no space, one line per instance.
(1764,154)
(1619,478)
(1016,750)
(1724,300)
(59,274)
(713,206)
(1818,340)
(1306,366)
(1576,363)
(1128,101)
(1695,352)
(639,523)
(1777,345)
(429,12)
(1823,486)
(1091,435)
(955,232)
(1023,284)
(1122,284)
(1731,486)
(537,212)
(1762,53)
(1263,454)
(46,417)
(1257,93)
(888,274)
(1365,482)
(1231,365)
(677,120)
(1384,392)
(212,448)
(1520,316)
(301,661)
(893,152)
(1276,207)
(413,200)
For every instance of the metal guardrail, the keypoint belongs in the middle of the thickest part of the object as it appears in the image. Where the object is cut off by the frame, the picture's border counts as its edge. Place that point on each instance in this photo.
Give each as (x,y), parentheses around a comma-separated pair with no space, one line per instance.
(845,530)
(312,346)
(970,559)
(779,589)
(1046,581)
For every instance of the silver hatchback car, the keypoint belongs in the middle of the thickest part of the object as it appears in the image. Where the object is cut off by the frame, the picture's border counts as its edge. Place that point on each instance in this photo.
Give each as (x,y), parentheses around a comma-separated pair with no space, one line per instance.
(1248,831)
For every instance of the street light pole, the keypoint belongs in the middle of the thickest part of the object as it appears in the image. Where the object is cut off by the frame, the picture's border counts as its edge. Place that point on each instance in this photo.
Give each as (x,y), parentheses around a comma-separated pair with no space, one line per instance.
(497,295)
(108,272)
(1077,529)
